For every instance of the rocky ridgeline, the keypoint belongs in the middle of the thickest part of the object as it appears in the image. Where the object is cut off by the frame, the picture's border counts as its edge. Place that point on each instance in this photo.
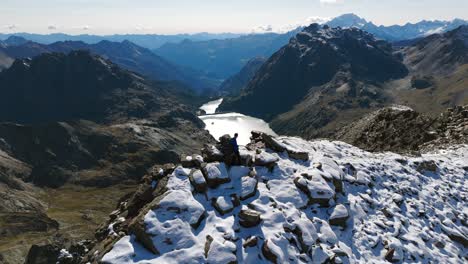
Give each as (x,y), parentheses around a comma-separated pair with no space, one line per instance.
(452,128)
(291,201)
(403,130)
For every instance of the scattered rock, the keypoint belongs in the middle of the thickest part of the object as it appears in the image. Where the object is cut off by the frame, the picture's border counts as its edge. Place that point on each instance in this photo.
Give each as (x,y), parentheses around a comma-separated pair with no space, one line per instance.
(187,161)
(246,158)
(223,205)
(209,240)
(249,187)
(250,242)
(212,154)
(317,189)
(265,159)
(317,165)
(197,160)
(168,168)
(427,165)
(304,156)
(215,174)
(198,181)
(319,255)
(222,252)
(268,253)
(272,143)
(389,255)
(339,215)
(249,218)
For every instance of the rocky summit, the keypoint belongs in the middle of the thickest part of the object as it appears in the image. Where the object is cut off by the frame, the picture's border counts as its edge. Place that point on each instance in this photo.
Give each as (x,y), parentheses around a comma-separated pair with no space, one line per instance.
(336,204)
(322,71)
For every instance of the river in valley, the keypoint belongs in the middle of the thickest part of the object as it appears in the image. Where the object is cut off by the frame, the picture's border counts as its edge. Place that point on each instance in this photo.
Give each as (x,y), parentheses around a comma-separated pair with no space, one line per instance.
(230,123)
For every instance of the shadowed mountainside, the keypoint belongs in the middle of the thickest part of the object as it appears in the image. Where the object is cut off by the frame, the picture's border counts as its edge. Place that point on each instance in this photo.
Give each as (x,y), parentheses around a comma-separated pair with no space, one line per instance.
(234,84)
(321,72)
(125,54)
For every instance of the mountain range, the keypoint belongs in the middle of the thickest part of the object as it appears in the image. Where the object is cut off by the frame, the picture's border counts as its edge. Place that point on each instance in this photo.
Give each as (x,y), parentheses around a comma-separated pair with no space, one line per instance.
(224,58)
(150,41)
(396,32)
(327,77)
(125,54)
(216,57)
(104,160)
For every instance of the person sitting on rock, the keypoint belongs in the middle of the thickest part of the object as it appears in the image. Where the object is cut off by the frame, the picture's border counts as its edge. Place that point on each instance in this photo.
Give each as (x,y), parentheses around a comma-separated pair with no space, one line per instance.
(235,147)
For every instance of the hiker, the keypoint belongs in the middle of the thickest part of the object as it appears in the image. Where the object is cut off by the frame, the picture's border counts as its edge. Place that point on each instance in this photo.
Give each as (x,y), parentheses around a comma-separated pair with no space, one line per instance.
(235,148)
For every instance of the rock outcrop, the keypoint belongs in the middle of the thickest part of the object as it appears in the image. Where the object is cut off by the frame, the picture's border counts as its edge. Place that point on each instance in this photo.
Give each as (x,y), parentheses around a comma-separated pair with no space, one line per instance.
(297,212)
(401,129)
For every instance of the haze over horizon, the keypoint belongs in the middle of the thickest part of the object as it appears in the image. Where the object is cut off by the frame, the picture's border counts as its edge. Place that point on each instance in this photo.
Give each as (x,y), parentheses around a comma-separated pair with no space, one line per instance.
(184,16)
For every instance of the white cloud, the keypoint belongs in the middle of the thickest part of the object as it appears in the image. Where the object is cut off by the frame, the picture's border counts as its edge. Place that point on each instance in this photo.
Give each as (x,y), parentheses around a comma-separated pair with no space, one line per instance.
(11,27)
(52,27)
(292,26)
(86,27)
(315,19)
(331,1)
(263,29)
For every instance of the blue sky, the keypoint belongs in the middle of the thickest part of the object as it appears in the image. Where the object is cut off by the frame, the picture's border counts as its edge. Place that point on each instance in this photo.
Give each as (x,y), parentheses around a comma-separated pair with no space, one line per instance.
(189,16)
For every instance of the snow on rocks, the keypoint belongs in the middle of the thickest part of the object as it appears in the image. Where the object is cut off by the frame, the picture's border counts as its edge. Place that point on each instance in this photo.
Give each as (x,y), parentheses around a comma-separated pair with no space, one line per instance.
(316,188)
(266,159)
(339,215)
(222,252)
(211,154)
(198,181)
(395,209)
(215,174)
(223,204)
(249,187)
(249,218)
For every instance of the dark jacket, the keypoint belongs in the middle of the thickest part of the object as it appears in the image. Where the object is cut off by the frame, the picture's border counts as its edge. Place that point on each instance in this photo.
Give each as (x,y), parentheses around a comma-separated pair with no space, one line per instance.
(234,144)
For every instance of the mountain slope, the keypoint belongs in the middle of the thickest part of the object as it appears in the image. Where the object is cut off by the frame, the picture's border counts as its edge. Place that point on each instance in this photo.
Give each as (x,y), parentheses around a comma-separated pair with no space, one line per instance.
(321,72)
(439,53)
(438,73)
(131,124)
(63,87)
(55,88)
(5,61)
(223,58)
(125,54)
(15,41)
(234,84)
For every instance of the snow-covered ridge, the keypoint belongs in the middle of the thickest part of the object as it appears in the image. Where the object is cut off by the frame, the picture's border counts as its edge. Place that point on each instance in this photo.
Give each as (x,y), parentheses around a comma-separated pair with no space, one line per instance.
(343,205)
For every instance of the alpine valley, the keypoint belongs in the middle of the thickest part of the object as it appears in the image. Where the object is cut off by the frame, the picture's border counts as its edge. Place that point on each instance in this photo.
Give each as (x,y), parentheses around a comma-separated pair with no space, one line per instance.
(353,146)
